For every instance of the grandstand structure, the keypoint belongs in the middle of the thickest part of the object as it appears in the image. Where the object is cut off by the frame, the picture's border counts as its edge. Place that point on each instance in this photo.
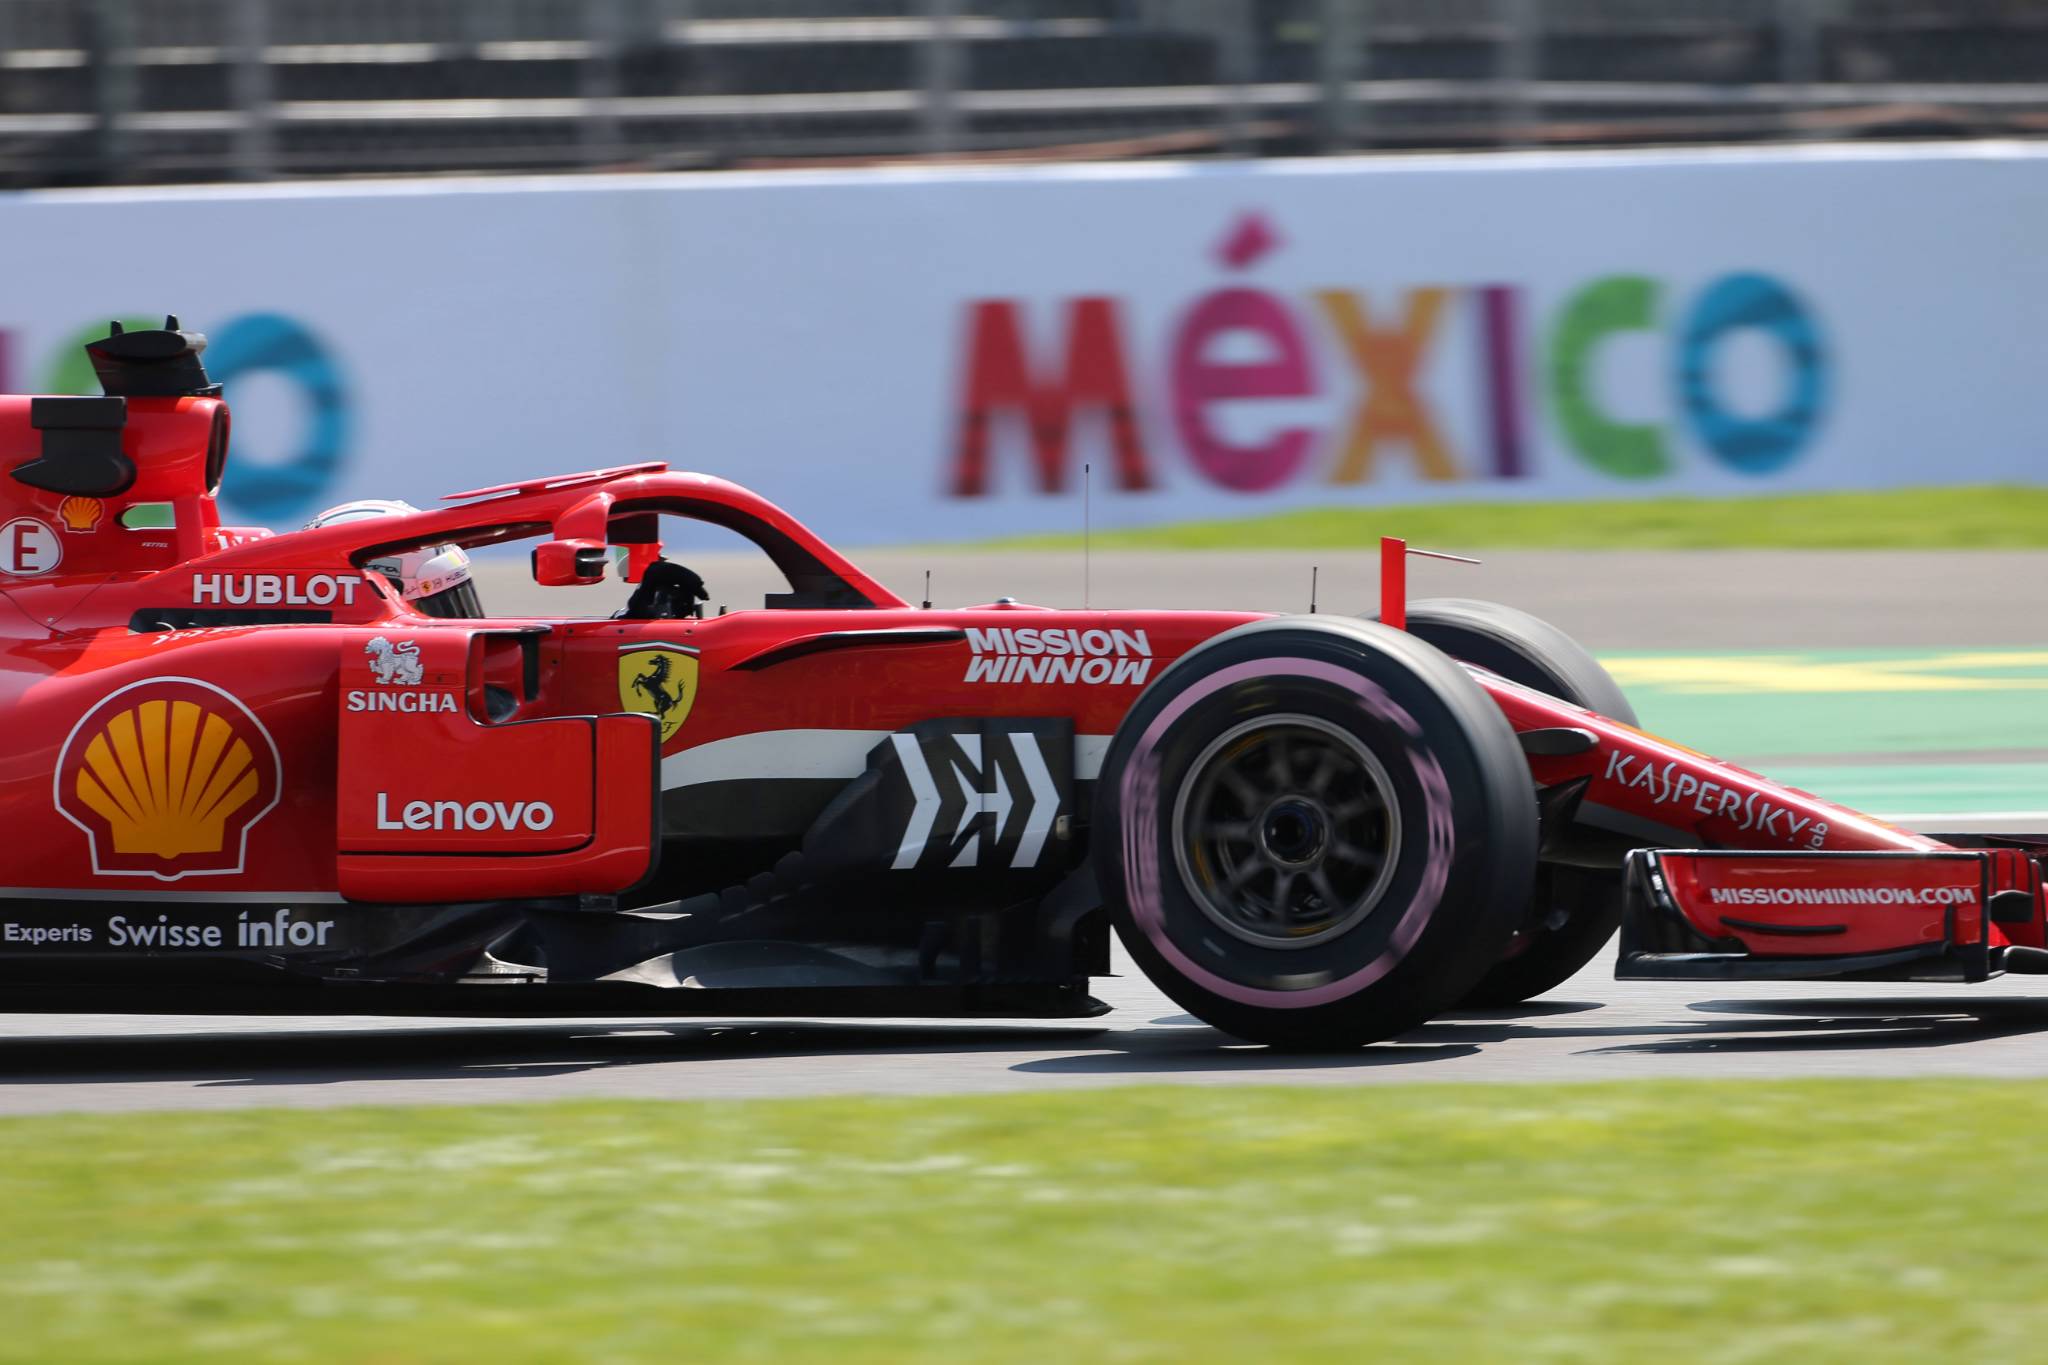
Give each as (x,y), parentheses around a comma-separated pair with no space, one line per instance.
(152,91)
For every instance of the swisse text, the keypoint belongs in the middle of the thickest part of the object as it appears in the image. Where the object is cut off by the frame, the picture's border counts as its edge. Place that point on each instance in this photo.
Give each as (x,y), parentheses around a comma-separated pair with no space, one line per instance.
(281,928)
(402,701)
(480,816)
(278,930)
(273,589)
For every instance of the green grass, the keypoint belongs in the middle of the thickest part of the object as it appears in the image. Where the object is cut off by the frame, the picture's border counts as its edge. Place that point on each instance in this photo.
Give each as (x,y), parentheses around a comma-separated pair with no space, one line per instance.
(1832,1220)
(1905,519)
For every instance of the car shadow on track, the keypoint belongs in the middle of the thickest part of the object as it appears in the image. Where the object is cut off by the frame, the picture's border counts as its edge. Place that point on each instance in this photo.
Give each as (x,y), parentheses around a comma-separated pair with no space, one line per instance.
(433,1053)
(1181,1044)
(1205,1051)
(429,1055)
(1166,1046)
(1848,1025)
(1528,1009)
(426,1052)
(1764,1026)
(1781,1026)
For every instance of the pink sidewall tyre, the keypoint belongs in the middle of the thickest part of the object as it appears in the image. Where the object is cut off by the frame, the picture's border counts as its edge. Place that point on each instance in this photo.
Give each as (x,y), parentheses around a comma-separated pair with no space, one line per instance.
(1315,832)
(1574,911)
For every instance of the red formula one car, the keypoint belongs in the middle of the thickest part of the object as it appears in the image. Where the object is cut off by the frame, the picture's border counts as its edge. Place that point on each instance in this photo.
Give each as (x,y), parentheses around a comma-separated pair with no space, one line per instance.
(243,772)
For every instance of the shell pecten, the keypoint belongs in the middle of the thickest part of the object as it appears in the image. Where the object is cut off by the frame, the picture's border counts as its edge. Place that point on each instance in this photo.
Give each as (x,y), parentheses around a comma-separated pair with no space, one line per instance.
(166,776)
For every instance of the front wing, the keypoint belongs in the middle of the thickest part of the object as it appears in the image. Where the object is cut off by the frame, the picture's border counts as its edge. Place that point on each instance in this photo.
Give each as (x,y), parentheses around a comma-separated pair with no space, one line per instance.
(1936,915)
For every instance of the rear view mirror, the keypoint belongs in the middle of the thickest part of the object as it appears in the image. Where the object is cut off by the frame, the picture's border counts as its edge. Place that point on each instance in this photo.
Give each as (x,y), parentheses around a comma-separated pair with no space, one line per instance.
(568,563)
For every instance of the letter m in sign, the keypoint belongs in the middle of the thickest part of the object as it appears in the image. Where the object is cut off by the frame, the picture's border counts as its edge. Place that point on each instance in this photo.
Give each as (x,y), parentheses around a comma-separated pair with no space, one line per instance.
(999,382)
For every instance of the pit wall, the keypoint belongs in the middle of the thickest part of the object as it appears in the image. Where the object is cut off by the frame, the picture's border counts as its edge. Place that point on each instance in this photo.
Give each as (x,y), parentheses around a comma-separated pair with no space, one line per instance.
(922,355)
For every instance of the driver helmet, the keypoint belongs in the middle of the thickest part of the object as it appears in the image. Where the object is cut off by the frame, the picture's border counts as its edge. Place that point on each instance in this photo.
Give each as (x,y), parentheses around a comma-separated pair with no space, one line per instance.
(435,579)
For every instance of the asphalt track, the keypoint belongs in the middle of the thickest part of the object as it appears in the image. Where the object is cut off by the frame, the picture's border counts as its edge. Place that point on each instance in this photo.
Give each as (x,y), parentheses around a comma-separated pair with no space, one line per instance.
(1591,1028)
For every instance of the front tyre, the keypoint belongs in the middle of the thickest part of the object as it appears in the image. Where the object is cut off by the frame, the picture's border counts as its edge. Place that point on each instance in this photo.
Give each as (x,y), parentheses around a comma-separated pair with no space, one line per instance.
(1573,911)
(1315,834)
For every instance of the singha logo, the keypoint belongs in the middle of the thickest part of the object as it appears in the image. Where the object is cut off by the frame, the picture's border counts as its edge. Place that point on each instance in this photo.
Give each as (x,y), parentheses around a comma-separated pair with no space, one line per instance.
(395,665)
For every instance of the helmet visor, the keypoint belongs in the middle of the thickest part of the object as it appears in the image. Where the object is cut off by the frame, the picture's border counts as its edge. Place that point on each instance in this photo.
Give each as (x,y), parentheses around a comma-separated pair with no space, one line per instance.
(457,603)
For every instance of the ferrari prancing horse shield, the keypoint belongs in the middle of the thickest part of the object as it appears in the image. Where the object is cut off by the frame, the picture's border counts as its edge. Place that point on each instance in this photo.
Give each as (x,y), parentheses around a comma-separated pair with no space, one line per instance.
(660,680)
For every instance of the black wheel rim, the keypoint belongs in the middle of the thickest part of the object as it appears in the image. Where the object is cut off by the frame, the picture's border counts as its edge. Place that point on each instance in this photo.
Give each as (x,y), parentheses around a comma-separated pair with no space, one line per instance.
(1285,831)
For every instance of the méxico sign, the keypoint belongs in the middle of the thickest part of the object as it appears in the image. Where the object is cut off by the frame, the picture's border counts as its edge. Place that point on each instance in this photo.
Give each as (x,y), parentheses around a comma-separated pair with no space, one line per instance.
(1047,366)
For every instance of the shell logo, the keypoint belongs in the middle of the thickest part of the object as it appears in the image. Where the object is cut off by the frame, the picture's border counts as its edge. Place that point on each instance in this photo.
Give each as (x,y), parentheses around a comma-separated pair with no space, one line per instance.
(167,777)
(80,514)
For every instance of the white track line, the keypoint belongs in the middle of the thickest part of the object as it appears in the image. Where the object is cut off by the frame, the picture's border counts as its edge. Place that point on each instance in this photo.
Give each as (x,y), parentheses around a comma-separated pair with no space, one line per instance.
(1963,819)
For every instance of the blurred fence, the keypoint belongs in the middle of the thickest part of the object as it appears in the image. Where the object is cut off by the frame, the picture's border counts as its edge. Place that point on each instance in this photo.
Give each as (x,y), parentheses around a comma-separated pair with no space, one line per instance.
(112,91)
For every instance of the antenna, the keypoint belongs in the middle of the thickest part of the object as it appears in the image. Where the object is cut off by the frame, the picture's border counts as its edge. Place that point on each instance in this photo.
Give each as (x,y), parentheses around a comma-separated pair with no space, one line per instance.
(1087,485)
(1313,569)
(927,589)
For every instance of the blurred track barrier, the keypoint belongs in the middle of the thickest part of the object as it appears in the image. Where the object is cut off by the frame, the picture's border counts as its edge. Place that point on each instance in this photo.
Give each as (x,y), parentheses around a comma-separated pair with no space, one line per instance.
(953,354)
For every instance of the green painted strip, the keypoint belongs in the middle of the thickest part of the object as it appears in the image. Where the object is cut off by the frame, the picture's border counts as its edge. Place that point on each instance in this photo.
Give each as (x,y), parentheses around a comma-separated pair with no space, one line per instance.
(1925,788)
(1842,702)
(150,516)
(1964,518)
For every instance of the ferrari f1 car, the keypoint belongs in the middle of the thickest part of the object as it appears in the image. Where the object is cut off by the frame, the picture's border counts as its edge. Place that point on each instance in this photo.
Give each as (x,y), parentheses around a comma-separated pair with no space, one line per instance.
(243,772)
